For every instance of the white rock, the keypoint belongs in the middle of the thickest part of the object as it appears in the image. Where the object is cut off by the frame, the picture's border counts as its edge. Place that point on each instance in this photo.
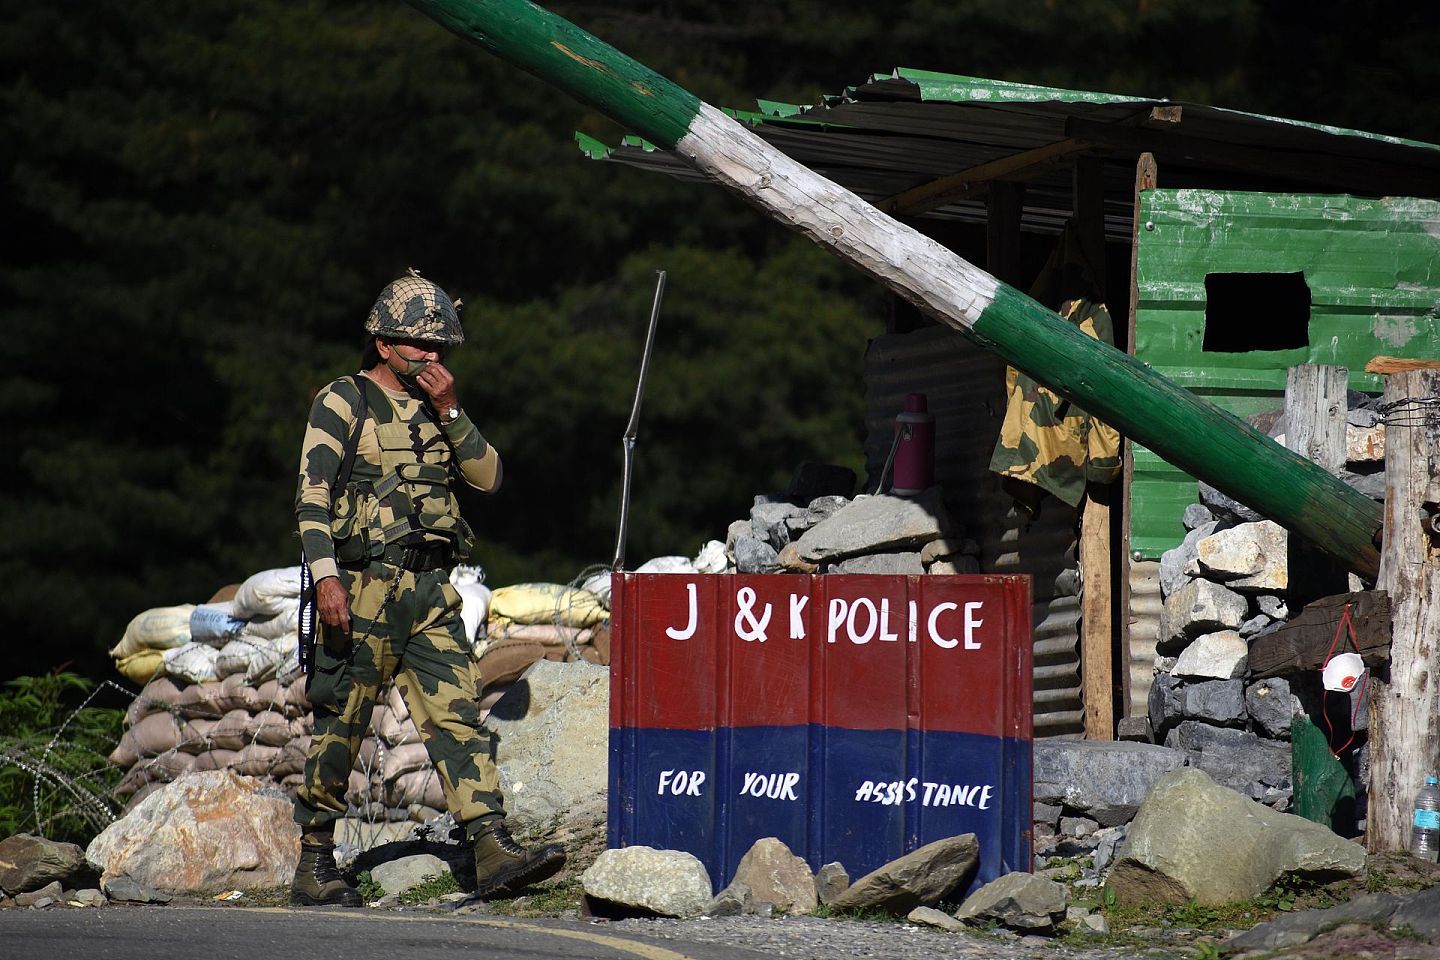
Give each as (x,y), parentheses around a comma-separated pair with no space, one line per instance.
(1364,444)
(876,524)
(1219,656)
(667,882)
(1250,556)
(407,873)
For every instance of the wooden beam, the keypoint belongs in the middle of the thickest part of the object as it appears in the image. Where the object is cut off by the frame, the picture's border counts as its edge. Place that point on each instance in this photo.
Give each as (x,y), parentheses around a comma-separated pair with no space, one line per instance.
(1405,706)
(1097,644)
(1146,177)
(1004,205)
(1335,173)
(964,184)
(1399,365)
(1302,644)
(1315,407)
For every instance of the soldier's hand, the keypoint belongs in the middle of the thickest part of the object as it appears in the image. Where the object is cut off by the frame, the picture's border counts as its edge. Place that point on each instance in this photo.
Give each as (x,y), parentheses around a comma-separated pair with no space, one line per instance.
(333,601)
(439,385)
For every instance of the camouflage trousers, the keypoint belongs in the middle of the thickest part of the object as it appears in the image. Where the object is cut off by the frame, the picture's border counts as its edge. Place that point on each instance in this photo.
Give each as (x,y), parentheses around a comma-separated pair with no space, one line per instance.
(418,640)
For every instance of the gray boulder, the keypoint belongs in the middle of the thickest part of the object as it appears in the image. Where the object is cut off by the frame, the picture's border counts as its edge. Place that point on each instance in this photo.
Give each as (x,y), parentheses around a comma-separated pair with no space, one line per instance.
(1271,705)
(753,555)
(1020,901)
(1236,759)
(1198,608)
(767,521)
(1254,627)
(874,525)
(772,873)
(905,563)
(553,727)
(1220,702)
(666,882)
(1106,780)
(28,862)
(1226,509)
(407,873)
(939,919)
(1249,557)
(125,890)
(1196,515)
(1174,562)
(1164,703)
(1273,606)
(1196,840)
(922,878)
(830,881)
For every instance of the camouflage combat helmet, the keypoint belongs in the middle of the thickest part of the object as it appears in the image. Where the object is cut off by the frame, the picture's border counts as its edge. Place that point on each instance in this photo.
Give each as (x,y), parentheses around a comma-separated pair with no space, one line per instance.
(413,308)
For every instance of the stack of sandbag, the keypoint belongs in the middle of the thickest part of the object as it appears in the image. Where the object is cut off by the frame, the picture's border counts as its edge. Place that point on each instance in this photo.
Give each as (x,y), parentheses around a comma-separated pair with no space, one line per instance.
(172,727)
(253,634)
(539,621)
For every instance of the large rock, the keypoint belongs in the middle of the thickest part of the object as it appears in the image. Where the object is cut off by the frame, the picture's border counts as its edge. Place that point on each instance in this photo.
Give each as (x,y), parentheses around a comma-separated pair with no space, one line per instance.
(922,878)
(1225,508)
(1165,703)
(1197,608)
(1195,840)
(1251,557)
(1221,702)
(1173,563)
(28,862)
(767,521)
(204,833)
(775,875)
(665,882)
(1271,705)
(407,873)
(875,525)
(1222,655)
(554,730)
(1105,780)
(1021,901)
(1236,759)
(900,563)
(753,555)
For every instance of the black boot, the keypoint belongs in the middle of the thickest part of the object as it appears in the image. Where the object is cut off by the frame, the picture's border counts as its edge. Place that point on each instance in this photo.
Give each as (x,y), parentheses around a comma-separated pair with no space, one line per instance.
(503,866)
(317,881)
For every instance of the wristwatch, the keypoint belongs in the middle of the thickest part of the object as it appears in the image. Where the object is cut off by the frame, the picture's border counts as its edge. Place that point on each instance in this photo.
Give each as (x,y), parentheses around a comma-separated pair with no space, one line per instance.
(451,415)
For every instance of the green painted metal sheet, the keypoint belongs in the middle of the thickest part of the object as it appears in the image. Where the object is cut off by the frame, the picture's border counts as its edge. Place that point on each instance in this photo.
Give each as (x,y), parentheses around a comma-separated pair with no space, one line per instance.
(1373,269)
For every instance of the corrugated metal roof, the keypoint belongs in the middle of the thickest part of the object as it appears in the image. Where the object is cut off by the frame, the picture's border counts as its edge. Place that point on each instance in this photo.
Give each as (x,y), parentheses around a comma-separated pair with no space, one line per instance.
(901,130)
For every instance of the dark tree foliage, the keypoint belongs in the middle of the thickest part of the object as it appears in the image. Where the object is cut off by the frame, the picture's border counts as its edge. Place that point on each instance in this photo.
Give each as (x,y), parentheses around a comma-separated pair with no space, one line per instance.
(202,199)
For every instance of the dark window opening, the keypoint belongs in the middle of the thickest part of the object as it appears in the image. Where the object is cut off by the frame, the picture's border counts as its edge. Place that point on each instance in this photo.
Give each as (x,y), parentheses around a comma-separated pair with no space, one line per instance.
(1256,311)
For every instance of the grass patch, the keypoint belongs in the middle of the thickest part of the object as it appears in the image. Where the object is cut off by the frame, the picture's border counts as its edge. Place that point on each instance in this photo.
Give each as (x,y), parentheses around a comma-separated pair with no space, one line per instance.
(554,898)
(867,914)
(430,888)
(370,891)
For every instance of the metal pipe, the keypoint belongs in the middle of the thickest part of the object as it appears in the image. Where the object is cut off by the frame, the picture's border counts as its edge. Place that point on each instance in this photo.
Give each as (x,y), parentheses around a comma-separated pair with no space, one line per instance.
(628,441)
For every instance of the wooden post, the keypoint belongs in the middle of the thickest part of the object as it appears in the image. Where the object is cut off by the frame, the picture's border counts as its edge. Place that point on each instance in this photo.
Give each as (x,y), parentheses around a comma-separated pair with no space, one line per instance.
(1405,709)
(1315,407)
(1146,177)
(1097,622)
(1186,430)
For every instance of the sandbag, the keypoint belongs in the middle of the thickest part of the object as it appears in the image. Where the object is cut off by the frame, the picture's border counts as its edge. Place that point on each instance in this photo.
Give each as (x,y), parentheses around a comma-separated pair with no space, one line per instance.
(393,731)
(292,757)
(417,787)
(160,694)
(168,766)
(504,662)
(195,735)
(600,642)
(142,667)
(392,762)
(135,778)
(599,585)
(286,620)
(160,628)
(547,633)
(267,593)
(669,565)
(398,706)
(711,558)
(269,728)
(155,734)
(202,700)
(215,623)
(230,733)
(288,671)
(271,693)
(302,726)
(193,663)
(546,603)
(215,759)
(235,656)
(236,695)
(357,790)
(295,698)
(256,760)
(277,653)
(475,607)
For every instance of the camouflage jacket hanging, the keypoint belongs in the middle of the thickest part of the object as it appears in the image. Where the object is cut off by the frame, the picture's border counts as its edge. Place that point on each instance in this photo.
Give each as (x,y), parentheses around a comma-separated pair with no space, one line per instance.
(1049,445)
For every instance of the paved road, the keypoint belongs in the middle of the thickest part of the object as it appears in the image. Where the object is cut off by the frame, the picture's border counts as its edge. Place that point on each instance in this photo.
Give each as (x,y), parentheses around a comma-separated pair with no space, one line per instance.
(253,933)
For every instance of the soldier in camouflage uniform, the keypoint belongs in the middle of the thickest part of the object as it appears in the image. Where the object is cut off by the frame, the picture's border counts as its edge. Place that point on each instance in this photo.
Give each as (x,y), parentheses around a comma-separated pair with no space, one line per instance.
(380,550)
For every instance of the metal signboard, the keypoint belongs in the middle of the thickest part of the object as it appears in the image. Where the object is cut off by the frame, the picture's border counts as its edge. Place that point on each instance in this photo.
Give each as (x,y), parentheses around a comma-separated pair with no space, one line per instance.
(856,718)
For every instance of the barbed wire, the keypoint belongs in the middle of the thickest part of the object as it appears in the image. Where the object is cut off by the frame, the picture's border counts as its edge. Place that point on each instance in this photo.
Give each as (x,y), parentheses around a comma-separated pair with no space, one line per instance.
(1411,412)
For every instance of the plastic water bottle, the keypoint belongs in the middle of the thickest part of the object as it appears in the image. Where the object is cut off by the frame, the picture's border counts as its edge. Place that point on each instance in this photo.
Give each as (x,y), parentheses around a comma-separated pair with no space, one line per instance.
(1425,832)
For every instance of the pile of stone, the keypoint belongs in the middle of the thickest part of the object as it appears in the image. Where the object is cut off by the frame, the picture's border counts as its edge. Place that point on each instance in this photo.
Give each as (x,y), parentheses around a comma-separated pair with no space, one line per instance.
(1226,585)
(884,534)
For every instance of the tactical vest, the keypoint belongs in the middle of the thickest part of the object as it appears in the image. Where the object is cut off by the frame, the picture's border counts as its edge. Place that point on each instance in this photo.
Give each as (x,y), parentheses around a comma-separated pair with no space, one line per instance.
(411,505)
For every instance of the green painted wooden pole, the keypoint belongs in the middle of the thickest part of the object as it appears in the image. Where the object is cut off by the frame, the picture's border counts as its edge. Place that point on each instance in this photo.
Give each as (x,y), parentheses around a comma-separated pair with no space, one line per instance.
(1187,431)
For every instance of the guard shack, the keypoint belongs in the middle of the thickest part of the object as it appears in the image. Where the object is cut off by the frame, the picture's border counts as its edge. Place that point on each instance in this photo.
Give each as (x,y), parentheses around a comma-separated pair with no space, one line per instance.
(1228,247)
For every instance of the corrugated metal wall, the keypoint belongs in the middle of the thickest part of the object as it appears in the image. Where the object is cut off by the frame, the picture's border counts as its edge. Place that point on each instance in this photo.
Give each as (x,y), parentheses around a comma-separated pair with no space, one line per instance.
(965,389)
(1145,607)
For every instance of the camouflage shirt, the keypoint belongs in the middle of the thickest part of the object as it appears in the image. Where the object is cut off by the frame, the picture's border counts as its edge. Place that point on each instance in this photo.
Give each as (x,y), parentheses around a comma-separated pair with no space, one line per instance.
(399,428)
(1047,442)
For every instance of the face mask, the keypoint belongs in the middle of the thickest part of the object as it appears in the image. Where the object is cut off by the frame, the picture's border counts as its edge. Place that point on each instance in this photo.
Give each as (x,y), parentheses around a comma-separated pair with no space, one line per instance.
(411,369)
